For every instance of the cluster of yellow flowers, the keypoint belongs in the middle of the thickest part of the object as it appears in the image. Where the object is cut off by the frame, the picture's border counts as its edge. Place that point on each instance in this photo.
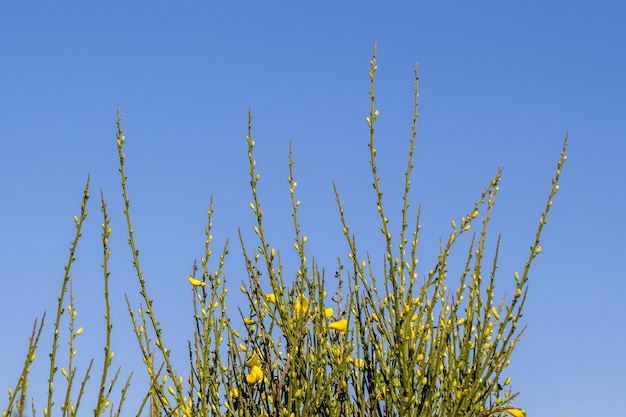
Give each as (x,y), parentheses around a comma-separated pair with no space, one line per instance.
(256,365)
(302,308)
(256,373)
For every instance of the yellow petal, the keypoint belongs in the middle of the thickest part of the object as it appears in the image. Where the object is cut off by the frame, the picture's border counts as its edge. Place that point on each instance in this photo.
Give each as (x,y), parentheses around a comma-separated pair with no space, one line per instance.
(271,298)
(257,371)
(339,325)
(516,412)
(196,282)
(248,321)
(302,305)
(251,378)
(329,312)
(255,360)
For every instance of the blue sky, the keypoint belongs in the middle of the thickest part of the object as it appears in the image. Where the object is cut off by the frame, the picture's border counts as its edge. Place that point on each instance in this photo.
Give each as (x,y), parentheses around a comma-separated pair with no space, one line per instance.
(500,84)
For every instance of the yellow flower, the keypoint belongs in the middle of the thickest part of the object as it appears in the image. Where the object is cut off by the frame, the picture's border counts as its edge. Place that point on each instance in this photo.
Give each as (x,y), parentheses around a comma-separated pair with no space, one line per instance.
(257,371)
(339,325)
(255,375)
(196,282)
(302,305)
(516,412)
(357,362)
(271,298)
(234,392)
(248,321)
(329,312)
(255,360)
(461,321)
(251,379)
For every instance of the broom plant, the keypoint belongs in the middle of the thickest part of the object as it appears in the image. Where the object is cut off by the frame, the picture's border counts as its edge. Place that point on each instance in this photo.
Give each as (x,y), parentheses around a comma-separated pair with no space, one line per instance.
(388,340)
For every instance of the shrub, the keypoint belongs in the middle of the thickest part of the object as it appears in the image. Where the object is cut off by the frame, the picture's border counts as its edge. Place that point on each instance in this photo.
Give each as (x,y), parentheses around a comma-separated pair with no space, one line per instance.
(370,343)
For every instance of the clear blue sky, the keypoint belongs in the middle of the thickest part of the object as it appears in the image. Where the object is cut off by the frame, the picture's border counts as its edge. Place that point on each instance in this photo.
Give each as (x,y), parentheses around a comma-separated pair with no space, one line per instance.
(500,83)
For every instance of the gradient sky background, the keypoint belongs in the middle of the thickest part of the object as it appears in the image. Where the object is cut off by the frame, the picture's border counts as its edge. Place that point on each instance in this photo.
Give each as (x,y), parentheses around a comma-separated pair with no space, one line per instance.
(500,83)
